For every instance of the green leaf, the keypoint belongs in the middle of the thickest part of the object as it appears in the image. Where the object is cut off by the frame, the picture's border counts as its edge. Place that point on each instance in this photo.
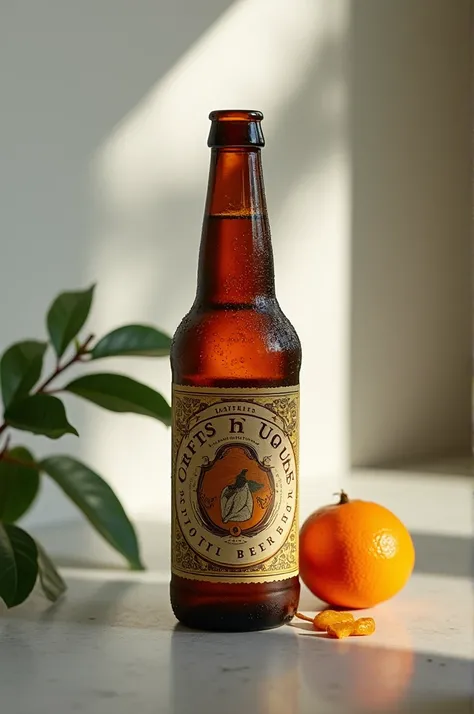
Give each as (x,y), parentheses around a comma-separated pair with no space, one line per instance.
(18,564)
(98,503)
(121,394)
(254,486)
(40,414)
(133,340)
(18,484)
(20,369)
(52,583)
(66,317)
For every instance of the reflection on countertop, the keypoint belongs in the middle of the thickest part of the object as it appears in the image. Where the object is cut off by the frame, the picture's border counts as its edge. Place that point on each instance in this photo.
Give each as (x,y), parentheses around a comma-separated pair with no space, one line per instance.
(112,646)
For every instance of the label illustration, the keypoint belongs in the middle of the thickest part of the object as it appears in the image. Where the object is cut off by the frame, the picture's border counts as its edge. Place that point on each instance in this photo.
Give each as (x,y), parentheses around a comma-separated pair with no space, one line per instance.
(235,497)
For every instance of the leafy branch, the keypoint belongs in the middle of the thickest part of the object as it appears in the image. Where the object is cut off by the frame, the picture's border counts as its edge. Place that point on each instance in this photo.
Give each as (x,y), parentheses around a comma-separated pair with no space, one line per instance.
(78,356)
(31,406)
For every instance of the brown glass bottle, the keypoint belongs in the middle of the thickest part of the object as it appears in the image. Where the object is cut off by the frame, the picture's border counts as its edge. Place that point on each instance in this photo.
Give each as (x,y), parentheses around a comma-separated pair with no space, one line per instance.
(235,365)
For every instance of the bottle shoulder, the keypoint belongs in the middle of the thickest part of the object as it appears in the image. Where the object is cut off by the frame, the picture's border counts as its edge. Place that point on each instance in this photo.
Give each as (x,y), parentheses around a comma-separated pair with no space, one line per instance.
(239,342)
(240,324)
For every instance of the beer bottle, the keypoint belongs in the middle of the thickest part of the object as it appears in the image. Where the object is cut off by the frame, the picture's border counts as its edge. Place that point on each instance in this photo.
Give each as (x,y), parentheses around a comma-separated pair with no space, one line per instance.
(235,364)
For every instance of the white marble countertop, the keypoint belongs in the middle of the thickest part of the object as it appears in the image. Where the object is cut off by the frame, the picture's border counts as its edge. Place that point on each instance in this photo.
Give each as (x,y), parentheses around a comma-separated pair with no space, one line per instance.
(112,645)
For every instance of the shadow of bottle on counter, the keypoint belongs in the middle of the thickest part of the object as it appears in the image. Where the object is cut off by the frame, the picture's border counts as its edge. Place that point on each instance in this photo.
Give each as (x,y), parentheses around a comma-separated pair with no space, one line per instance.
(237,673)
(360,677)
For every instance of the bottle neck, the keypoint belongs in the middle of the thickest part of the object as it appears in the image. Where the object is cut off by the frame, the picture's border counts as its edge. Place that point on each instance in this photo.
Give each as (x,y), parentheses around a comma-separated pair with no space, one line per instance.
(236,259)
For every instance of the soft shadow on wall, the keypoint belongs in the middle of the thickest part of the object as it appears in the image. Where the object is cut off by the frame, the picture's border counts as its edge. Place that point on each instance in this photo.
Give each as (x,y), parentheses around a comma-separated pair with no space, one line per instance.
(69,72)
(105,123)
(411,305)
(149,179)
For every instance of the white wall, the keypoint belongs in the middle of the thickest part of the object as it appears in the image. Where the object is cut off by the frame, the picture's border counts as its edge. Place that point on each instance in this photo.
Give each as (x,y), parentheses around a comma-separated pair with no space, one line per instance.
(104,165)
(104,114)
(411,240)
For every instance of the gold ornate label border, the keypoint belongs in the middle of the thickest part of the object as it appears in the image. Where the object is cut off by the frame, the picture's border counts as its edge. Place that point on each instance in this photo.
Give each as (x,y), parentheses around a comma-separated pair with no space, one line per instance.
(187,402)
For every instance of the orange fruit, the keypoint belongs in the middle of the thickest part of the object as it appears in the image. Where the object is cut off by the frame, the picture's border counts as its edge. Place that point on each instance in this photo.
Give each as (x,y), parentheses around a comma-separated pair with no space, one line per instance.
(355,554)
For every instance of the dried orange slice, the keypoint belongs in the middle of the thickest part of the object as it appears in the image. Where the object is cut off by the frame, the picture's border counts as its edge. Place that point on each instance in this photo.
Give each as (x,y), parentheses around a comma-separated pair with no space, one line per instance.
(329,617)
(364,626)
(339,630)
(340,624)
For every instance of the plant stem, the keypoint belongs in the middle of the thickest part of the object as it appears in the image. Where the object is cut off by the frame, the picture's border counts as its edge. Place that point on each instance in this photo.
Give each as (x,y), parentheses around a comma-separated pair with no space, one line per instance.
(5,446)
(19,462)
(77,357)
(81,350)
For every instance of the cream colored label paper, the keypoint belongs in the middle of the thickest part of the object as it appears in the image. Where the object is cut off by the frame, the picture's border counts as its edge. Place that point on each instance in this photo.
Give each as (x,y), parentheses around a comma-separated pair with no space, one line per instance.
(235,493)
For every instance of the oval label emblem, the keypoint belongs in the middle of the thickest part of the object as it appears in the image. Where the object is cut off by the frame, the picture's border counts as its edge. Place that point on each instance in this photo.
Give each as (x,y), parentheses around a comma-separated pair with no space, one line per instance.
(236,492)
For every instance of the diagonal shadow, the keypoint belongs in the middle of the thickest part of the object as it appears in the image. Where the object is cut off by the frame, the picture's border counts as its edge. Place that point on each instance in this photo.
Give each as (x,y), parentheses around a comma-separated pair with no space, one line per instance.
(444,555)
(306,673)
(411,324)
(78,70)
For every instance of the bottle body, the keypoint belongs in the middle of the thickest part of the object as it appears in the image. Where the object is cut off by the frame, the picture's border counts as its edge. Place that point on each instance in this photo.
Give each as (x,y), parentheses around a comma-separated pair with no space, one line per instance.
(235,366)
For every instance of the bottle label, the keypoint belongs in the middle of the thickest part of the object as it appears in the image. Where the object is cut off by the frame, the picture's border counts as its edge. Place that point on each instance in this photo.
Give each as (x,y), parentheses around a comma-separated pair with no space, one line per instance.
(235,488)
